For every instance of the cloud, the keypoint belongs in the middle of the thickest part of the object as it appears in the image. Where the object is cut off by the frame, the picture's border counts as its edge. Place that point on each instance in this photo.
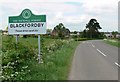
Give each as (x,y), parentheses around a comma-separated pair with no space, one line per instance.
(73,13)
(100,6)
(39,7)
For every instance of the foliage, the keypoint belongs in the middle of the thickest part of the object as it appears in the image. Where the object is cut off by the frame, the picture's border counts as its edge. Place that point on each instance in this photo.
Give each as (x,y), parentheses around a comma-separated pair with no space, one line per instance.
(91,30)
(82,39)
(20,60)
(114,33)
(13,59)
(56,62)
(49,31)
(114,42)
(74,36)
(6,28)
(75,32)
(61,31)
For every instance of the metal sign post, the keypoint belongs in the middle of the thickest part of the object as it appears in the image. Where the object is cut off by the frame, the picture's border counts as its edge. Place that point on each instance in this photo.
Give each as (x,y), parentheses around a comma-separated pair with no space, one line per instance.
(26,24)
(16,39)
(38,48)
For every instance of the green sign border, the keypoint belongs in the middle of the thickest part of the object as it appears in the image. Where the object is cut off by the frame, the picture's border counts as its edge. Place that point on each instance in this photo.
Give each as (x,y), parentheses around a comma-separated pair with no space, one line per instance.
(27,16)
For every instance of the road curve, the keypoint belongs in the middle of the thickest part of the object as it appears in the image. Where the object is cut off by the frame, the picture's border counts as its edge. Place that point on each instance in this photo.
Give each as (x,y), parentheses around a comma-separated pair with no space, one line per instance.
(94,60)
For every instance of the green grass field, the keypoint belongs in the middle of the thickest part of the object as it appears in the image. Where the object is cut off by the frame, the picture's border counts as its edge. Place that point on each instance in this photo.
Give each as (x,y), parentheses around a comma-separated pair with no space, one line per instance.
(56,64)
(30,41)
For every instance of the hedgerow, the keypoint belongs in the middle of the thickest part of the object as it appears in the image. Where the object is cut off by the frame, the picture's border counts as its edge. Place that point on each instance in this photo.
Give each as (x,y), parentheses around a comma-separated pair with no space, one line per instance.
(15,55)
(13,58)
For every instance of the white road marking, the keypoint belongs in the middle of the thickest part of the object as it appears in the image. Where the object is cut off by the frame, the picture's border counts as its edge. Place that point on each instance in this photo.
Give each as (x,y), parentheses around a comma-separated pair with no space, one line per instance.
(117,64)
(101,52)
(93,46)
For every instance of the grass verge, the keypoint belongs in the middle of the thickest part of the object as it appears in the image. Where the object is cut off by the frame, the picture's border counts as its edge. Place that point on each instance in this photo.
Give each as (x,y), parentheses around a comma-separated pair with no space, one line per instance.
(113,42)
(56,65)
(56,57)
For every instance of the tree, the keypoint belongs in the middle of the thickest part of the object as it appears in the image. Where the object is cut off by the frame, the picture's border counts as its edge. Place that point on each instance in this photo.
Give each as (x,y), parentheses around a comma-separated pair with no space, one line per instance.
(49,31)
(84,34)
(92,28)
(114,33)
(75,32)
(6,28)
(60,31)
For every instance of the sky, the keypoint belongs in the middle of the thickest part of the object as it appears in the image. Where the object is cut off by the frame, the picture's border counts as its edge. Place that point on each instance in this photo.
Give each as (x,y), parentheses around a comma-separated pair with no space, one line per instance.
(74,14)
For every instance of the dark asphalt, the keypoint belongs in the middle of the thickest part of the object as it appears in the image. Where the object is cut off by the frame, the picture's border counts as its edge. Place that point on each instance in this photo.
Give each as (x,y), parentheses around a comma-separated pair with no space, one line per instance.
(94,60)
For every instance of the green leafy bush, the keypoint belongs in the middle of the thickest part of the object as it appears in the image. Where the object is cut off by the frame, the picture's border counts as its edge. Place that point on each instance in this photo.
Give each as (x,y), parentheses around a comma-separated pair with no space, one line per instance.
(13,59)
(19,61)
(15,56)
(82,39)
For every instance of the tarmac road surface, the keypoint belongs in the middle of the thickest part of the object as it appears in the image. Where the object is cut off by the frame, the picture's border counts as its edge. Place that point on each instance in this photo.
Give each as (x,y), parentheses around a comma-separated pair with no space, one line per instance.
(95,60)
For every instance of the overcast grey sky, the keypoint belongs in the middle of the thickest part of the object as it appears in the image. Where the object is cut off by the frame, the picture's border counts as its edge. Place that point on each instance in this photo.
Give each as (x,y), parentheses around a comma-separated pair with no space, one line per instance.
(74,14)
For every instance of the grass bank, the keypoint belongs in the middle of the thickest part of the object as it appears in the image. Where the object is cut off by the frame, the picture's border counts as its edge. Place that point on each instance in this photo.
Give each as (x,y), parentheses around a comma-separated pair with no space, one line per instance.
(23,64)
(56,65)
(114,42)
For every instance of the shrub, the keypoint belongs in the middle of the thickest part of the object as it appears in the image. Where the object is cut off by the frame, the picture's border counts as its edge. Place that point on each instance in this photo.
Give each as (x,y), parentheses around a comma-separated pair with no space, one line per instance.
(82,39)
(13,58)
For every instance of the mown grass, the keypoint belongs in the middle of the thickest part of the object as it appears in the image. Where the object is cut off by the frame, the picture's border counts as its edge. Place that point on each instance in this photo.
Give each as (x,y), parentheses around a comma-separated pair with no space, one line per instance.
(29,41)
(114,42)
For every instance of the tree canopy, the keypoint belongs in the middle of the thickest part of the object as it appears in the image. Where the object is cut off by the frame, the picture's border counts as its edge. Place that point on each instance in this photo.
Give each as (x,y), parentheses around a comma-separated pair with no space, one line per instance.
(91,30)
(61,30)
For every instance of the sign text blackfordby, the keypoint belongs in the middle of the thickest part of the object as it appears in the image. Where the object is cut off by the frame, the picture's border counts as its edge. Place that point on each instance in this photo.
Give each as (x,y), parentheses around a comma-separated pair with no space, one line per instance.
(27,23)
(20,25)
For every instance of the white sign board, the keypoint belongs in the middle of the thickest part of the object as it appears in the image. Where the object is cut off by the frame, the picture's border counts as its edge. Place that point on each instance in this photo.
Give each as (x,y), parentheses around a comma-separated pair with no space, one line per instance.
(27,23)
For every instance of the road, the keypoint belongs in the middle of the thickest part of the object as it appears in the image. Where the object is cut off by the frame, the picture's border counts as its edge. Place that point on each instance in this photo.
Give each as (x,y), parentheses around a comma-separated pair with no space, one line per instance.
(95,60)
